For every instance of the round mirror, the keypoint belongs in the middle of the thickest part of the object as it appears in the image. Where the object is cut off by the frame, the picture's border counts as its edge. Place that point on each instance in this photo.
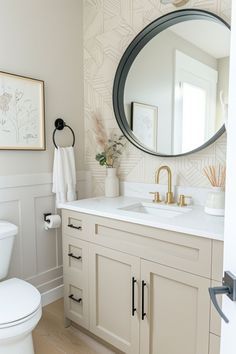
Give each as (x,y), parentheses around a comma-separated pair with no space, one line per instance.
(170,91)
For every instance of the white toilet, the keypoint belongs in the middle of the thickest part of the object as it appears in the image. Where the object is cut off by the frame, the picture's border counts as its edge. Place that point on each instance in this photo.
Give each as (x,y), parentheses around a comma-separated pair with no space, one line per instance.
(20,302)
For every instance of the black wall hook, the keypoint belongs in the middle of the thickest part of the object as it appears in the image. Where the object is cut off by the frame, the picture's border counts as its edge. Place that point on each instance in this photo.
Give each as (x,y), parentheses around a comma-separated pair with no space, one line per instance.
(60,125)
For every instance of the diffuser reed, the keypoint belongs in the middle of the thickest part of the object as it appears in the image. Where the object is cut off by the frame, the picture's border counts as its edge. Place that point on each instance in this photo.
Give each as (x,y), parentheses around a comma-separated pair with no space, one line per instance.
(216,175)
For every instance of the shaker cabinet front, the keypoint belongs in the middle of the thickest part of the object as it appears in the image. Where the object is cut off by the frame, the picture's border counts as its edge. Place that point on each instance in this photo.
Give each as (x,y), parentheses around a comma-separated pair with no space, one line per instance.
(114,315)
(175,307)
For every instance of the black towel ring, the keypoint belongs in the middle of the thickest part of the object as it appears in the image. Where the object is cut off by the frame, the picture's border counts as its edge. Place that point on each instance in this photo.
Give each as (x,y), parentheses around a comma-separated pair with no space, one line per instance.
(60,125)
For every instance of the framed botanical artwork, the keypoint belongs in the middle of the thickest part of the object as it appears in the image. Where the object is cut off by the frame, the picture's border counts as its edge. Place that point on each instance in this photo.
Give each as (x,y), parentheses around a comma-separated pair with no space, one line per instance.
(144,124)
(22,118)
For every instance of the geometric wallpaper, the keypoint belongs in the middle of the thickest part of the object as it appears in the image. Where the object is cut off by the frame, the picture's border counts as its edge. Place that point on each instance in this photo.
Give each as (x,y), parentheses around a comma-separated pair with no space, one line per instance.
(109,27)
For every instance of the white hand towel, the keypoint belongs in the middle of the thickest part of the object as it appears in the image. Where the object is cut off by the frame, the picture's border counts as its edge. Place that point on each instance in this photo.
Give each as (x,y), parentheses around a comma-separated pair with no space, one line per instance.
(64,175)
(70,174)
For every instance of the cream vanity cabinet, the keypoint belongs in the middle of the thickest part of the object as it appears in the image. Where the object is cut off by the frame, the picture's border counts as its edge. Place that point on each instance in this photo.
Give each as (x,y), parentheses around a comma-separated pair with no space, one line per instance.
(142,290)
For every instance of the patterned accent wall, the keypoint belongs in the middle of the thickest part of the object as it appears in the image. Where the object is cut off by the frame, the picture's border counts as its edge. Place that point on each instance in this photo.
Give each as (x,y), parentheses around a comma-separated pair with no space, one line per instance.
(109,27)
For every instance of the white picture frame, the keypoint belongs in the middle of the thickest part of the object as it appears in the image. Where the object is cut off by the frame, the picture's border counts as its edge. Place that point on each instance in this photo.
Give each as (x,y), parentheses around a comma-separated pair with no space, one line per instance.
(22,117)
(144,124)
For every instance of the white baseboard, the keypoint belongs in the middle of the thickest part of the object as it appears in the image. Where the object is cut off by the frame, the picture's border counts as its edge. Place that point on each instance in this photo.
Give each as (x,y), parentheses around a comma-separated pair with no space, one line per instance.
(52,295)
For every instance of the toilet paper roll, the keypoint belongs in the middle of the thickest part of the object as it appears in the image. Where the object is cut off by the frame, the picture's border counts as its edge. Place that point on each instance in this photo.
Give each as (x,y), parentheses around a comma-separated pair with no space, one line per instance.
(52,222)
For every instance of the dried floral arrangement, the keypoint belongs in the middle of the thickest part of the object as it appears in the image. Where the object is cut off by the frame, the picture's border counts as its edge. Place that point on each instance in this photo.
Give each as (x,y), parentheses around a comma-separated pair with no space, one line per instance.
(112,147)
(216,175)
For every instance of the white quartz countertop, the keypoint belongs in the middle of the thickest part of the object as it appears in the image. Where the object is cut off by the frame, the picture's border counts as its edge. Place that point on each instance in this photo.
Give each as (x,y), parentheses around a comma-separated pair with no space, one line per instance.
(195,222)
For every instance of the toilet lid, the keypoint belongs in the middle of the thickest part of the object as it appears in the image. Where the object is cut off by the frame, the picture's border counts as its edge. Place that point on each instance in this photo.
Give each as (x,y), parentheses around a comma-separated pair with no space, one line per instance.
(18,299)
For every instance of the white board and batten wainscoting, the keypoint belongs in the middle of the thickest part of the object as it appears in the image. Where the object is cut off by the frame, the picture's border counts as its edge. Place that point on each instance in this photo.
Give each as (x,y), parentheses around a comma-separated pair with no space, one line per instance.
(37,255)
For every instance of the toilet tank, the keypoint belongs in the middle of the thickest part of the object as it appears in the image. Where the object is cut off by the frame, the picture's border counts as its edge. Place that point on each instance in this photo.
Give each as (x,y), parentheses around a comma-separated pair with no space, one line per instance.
(8,232)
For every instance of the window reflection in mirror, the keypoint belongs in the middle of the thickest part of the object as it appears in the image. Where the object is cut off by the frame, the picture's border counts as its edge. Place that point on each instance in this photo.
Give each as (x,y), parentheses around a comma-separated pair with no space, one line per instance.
(177,87)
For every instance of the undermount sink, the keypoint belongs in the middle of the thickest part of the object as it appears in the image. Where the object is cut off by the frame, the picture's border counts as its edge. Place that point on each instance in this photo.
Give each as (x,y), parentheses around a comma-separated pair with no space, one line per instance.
(161,210)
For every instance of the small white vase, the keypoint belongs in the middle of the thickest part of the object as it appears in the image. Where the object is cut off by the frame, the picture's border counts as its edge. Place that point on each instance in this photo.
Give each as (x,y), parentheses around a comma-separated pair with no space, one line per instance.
(111,183)
(215,203)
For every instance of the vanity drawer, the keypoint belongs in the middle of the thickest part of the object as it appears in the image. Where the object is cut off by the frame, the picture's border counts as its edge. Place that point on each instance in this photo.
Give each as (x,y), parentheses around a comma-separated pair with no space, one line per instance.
(75,267)
(76,302)
(75,255)
(177,250)
(75,224)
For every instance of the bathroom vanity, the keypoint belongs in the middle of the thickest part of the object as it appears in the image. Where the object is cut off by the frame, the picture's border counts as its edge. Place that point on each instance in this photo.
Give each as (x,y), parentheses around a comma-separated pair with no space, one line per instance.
(140,282)
(137,273)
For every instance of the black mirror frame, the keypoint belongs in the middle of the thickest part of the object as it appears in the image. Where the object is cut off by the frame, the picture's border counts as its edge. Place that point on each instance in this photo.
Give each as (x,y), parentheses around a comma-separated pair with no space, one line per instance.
(128,58)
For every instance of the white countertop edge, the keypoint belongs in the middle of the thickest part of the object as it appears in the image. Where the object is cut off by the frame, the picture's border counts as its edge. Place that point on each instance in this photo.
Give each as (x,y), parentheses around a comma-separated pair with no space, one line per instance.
(161,225)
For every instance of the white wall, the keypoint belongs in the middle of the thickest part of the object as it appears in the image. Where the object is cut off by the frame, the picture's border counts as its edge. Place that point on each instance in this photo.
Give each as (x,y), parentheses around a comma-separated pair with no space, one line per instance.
(41,39)
(151,80)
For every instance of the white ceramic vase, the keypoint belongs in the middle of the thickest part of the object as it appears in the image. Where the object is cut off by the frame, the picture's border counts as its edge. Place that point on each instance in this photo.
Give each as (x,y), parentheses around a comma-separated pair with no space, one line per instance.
(111,183)
(215,203)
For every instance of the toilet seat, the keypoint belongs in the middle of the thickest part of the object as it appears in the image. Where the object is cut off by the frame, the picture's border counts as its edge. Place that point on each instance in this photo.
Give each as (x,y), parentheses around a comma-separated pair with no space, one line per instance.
(19,301)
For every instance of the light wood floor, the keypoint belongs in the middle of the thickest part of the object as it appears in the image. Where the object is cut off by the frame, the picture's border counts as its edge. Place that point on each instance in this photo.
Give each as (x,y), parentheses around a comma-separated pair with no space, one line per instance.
(51,337)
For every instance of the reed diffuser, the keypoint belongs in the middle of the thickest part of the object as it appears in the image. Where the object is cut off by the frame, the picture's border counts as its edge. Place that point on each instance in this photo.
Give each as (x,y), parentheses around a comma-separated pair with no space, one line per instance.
(216,176)
(215,203)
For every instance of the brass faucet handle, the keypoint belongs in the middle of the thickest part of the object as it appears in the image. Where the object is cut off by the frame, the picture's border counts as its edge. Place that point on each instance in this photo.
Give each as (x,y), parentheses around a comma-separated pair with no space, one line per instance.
(156,197)
(182,200)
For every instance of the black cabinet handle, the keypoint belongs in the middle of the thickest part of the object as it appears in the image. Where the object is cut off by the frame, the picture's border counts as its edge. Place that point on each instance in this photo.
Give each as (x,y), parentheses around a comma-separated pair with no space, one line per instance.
(74,299)
(74,227)
(73,256)
(143,299)
(133,296)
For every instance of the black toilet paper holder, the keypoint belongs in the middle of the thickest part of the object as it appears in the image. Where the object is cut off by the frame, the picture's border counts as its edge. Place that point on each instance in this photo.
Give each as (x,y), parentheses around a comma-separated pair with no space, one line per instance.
(45,217)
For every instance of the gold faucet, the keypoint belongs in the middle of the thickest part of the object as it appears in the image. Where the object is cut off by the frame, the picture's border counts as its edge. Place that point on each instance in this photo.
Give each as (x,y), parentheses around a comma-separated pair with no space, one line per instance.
(169,194)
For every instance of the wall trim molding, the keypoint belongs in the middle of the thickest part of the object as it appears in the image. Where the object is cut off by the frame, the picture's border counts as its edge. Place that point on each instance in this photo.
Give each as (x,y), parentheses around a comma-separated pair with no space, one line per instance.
(52,295)
(37,254)
(14,181)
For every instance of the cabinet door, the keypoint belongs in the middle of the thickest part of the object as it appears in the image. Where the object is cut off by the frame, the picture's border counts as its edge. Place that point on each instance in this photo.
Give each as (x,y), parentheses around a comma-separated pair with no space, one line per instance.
(114,281)
(177,311)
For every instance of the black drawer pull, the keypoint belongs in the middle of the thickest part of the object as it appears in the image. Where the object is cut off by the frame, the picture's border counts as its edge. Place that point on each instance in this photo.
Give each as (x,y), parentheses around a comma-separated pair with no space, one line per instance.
(143,300)
(74,299)
(75,227)
(73,256)
(133,296)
